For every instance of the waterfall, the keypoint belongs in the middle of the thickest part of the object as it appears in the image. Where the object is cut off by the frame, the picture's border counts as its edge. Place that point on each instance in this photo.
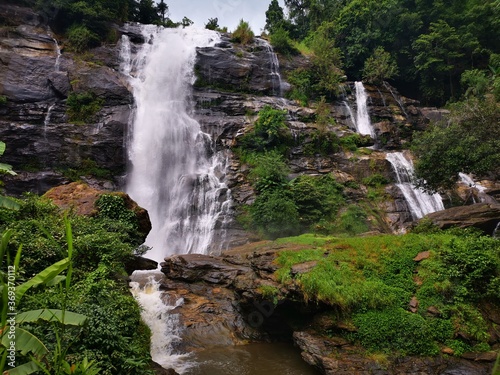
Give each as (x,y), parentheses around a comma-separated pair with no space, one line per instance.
(468,181)
(400,103)
(277,85)
(419,202)
(165,326)
(363,124)
(174,171)
(58,58)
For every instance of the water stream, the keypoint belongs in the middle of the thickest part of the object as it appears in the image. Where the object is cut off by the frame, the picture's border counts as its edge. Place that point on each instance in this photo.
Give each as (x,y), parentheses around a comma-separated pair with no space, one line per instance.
(275,76)
(419,202)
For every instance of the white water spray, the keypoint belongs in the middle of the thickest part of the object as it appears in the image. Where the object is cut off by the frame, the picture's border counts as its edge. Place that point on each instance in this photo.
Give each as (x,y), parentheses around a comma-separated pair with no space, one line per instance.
(363,123)
(174,168)
(164,324)
(419,202)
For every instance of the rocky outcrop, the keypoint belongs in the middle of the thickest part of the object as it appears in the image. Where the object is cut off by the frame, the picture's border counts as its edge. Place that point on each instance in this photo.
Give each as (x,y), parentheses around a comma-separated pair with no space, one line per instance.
(235,298)
(36,78)
(81,199)
(242,68)
(483,216)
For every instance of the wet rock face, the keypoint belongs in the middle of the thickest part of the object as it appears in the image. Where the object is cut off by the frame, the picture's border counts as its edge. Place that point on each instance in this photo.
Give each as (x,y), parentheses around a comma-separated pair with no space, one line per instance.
(231,67)
(36,80)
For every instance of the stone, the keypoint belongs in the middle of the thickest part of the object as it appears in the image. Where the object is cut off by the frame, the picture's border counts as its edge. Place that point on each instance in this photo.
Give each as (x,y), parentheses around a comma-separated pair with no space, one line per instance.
(484,216)
(421,256)
(139,263)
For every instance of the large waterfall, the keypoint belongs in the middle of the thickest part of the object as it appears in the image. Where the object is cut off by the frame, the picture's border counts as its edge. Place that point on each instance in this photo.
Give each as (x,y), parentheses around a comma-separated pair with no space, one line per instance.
(174,169)
(419,202)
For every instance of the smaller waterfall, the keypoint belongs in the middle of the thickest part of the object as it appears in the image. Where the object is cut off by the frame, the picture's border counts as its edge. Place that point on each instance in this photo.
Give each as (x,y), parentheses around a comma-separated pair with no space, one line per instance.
(277,84)
(363,124)
(157,314)
(58,58)
(398,100)
(351,114)
(468,181)
(419,202)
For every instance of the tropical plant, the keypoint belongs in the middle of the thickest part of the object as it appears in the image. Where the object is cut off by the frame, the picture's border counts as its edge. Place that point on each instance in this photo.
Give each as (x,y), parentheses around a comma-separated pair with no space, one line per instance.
(243,33)
(7,202)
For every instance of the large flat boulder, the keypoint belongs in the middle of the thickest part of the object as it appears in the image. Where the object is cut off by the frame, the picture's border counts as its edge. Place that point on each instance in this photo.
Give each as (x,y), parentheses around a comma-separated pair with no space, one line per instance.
(484,216)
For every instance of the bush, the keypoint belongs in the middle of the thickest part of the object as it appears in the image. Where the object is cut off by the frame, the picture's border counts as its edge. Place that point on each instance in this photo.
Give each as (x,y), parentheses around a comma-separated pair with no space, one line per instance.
(275,214)
(269,172)
(243,34)
(379,67)
(270,131)
(316,198)
(83,106)
(81,39)
(281,42)
(3,100)
(395,330)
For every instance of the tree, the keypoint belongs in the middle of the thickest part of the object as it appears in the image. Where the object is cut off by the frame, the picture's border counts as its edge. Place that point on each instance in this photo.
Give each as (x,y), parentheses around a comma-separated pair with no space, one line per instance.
(274,17)
(439,56)
(379,67)
(147,12)
(186,22)
(469,143)
(243,33)
(162,9)
(212,24)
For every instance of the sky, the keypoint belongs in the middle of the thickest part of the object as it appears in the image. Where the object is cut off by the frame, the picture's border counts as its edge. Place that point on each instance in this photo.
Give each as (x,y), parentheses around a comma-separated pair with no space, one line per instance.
(228,12)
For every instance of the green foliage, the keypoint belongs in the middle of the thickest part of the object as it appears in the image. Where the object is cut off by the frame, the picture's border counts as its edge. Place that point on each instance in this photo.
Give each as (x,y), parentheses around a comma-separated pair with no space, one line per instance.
(469,144)
(243,33)
(379,67)
(114,340)
(212,24)
(316,198)
(269,171)
(351,142)
(370,280)
(375,180)
(87,167)
(83,106)
(81,38)
(275,19)
(3,100)
(275,214)
(324,143)
(281,42)
(270,132)
(351,222)
(395,329)
(301,81)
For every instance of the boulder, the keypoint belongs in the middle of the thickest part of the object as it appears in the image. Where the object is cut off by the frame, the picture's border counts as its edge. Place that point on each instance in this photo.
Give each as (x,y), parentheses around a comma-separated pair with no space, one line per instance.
(484,216)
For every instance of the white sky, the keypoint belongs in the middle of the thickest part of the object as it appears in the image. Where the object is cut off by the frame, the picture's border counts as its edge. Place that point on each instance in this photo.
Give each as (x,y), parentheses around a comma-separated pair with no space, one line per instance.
(228,12)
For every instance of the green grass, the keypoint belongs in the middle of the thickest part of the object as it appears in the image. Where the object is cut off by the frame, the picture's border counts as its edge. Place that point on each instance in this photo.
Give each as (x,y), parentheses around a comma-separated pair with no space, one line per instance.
(371,280)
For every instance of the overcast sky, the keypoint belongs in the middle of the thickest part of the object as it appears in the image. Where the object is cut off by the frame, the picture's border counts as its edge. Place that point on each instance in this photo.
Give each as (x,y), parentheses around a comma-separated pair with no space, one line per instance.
(228,12)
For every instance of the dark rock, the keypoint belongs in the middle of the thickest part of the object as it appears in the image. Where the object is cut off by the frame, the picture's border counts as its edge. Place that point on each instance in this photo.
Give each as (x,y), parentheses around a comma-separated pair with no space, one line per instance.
(140,264)
(159,370)
(484,216)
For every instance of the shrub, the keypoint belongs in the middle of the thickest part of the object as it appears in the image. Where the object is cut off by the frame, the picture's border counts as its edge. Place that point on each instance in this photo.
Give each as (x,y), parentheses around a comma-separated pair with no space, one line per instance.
(395,330)
(80,38)
(375,180)
(270,131)
(316,198)
(275,214)
(243,34)
(3,100)
(281,42)
(269,171)
(351,222)
(379,67)
(83,106)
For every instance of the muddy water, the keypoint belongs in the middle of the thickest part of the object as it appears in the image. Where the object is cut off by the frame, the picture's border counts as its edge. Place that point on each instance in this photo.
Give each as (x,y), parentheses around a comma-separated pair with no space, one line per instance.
(252,359)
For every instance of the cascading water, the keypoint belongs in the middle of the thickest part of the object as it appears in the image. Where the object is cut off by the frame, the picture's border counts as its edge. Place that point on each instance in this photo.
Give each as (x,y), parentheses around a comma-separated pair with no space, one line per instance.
(165,326)
(363,123)
(174,168)
(419,202)
(469,182)
(277,84)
